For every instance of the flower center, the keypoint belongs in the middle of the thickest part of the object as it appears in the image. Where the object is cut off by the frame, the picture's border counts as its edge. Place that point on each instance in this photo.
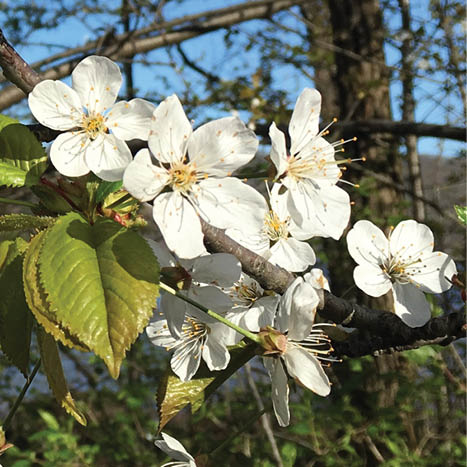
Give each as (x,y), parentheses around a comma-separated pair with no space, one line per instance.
(317,343)
(93,125)
(274,228)
(245,295)
(182,177)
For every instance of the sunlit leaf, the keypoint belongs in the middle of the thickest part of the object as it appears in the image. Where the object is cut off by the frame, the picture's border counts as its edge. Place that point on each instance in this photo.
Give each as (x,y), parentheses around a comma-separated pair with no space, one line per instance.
(22,158)
(105,188)
(101,281)
(461,212)
(173,394)
(15,317)
(53,369)
(18,222)
(36,298)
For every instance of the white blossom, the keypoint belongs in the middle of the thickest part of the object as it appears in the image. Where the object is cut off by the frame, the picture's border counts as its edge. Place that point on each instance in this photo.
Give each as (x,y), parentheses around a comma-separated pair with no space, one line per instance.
(310,172)
(279,240)
(200,279)
(96,128)
(196,167)
(404,264)
(175,449)
(251,309)
(301,348)
(200,337)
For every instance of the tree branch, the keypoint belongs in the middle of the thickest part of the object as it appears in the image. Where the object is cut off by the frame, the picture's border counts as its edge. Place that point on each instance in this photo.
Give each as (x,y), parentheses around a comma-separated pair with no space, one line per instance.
(128,45)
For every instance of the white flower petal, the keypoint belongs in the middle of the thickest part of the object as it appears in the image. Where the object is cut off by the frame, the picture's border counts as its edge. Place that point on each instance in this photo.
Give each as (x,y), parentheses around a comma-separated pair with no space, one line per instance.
(173,448)
(304,123)
(186,359)
(159,334)
(229,203)
(319,210)
(302,312)
(257,242)
(174,311)
(220,268)
(278,149)
(107,157)
(279,389)
(67,155)
(215,354)
(130,120)
(142,179)
(316,279)
(292,254)
(179,225)
(434,273)
(285,306)
(222,146)
(306,368)
(411,238)
(367,244)
(211,297)
(372,280)
(319,153)
(97,81)
(411,305)
(170,130)
(55,105)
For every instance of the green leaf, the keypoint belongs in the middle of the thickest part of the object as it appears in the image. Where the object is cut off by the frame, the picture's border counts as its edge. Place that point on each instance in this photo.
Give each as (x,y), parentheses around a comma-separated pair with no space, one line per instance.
(461,212)
(22,157)
(106,188)
(101,281)
(15,317)
(53,369)
(36,297)
(173,394)
(18,222)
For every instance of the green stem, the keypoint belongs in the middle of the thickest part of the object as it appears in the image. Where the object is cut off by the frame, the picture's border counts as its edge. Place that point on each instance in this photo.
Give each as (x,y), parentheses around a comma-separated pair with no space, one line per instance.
(21,395)
(18,202)
(213,314)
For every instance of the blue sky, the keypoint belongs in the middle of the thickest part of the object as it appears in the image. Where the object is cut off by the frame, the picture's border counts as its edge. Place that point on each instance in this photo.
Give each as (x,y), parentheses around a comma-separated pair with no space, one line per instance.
(166,81)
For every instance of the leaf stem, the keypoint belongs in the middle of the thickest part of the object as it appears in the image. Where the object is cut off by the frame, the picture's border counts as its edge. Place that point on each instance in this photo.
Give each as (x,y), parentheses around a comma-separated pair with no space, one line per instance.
(213,314)
(18,202)
(21,395)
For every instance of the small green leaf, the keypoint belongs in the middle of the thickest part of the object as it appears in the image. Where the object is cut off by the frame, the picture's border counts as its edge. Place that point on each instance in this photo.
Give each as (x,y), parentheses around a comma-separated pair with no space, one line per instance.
(106,188)
(101,282)
(22,158)
(173,394)
(461,212)
(15,317)
(36,298)
(51,200)
(53,369)
(18,222)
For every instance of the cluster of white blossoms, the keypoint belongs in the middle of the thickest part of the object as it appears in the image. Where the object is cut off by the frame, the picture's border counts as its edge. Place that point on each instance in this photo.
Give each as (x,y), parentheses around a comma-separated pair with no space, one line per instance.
(188,175)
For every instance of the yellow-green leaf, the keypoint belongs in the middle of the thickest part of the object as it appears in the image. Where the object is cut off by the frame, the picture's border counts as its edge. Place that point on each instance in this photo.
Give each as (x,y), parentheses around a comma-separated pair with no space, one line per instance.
(173,394)
(53,369)
(101,281)
(18,222)
(36,299)
(22,157)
